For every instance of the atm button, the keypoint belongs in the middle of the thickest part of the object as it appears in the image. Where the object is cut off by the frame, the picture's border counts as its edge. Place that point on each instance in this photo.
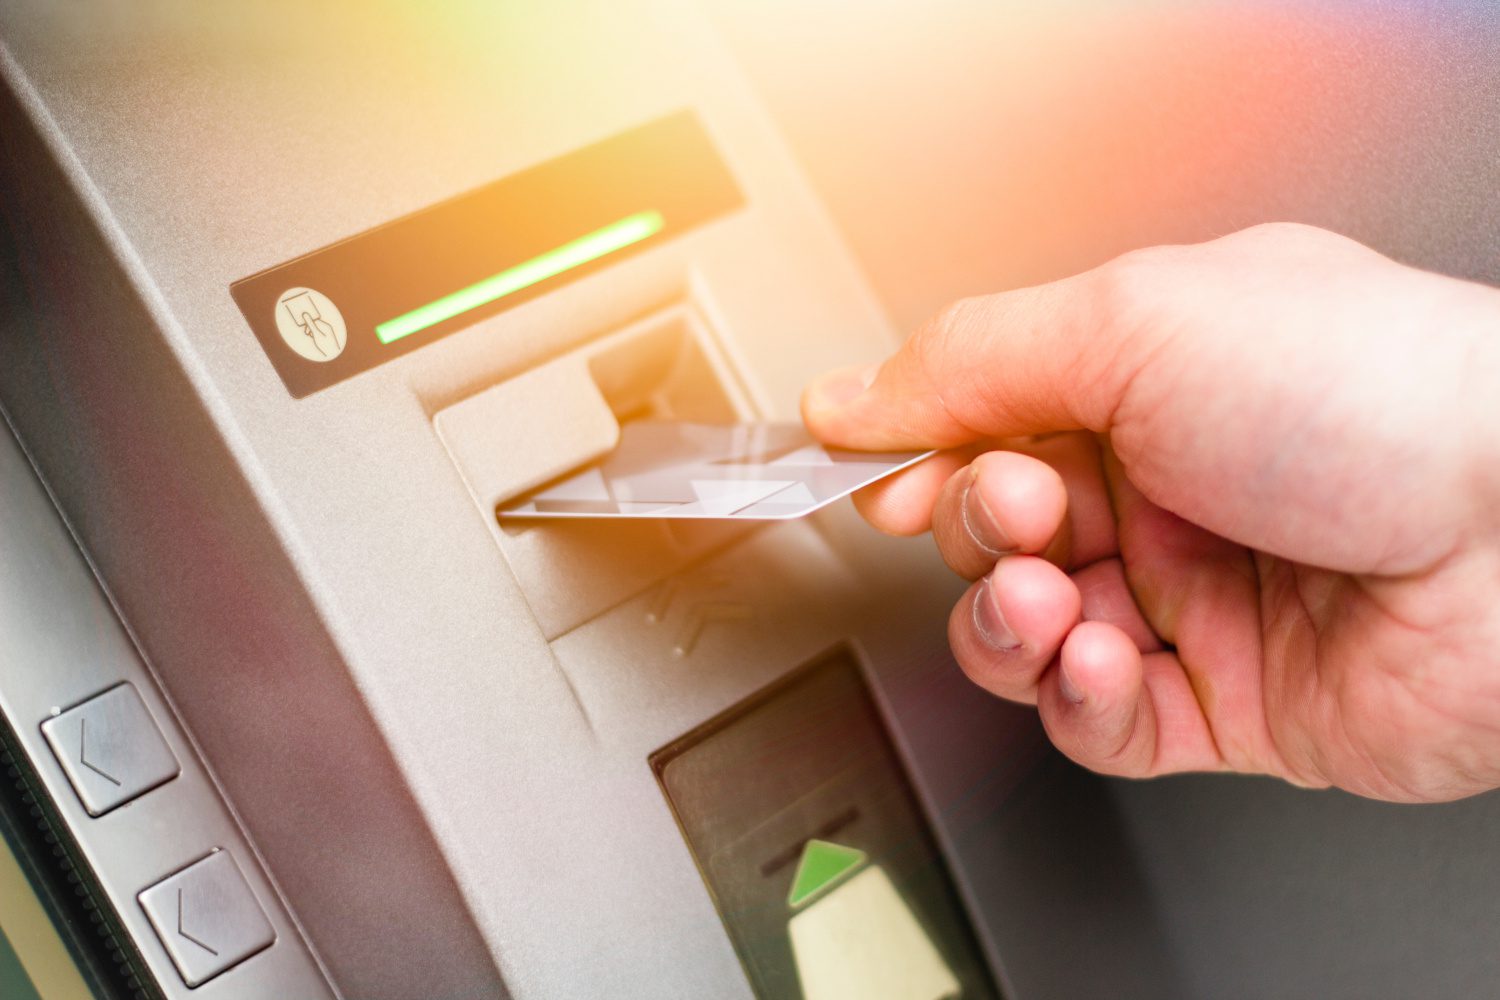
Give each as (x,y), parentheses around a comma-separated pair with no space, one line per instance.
(207,918)
(110,749)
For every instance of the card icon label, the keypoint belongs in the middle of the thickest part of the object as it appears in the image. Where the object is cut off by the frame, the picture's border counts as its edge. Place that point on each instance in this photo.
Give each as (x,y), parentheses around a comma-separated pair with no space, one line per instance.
(311,324)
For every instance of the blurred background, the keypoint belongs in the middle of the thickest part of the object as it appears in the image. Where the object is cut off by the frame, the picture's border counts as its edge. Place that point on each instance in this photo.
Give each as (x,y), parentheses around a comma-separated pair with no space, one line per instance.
(967,146)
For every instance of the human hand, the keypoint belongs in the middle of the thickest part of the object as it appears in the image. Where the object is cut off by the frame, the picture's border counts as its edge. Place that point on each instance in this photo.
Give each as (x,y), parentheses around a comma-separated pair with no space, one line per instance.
(1262,530)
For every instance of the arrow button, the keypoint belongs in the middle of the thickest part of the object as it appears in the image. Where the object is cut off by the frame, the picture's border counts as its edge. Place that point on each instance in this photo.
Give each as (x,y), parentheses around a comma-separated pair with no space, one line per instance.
(110,748)
(83,753)
(183,933)
(207,918)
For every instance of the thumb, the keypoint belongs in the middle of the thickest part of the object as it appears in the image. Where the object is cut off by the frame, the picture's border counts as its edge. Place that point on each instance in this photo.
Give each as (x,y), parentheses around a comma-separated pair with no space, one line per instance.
(1054,357)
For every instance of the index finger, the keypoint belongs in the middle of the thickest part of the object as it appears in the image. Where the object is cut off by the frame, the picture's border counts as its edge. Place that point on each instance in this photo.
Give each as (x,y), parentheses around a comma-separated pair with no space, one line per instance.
(1053,357)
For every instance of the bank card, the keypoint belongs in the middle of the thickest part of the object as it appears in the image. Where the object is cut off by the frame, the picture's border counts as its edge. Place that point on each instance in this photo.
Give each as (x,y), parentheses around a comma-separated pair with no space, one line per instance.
(744,472)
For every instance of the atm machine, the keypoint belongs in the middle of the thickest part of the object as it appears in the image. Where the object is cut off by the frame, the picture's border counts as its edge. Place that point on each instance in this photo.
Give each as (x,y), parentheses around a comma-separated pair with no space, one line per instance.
(289,713)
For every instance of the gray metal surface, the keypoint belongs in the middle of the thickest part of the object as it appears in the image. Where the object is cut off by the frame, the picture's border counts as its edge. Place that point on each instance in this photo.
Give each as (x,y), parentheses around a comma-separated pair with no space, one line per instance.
(110,749)
(1270,891)
(207,918)
(61,642)
(86,371)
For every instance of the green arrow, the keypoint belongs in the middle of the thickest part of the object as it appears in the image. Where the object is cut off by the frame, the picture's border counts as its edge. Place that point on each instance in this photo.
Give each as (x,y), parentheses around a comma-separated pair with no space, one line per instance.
(822,865)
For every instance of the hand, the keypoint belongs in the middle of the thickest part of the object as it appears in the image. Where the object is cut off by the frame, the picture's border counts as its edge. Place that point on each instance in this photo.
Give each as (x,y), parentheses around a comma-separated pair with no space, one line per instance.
(1261,530)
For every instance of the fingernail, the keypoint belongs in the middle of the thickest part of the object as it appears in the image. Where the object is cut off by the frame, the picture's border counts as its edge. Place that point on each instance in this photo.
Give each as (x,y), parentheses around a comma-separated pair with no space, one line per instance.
(990,623)
(981,525)
(1067,688)
(839,387)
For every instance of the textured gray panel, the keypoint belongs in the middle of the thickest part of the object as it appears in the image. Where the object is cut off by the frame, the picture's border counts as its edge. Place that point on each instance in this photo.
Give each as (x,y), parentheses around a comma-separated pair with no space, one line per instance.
(1071,907)
(1273,892)
(60,644)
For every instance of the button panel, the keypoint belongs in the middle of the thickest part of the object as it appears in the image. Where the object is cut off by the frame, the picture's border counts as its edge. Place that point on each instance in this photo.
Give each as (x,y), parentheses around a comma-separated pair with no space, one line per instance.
(207,918)
(111,749)
(61,644)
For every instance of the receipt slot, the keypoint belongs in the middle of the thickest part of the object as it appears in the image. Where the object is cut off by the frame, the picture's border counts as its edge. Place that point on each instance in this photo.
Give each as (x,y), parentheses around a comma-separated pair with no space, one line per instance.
(817,852)
(864,941)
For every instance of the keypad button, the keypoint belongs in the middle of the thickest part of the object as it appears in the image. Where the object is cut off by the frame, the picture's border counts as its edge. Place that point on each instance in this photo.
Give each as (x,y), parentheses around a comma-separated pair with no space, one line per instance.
(207,918)
(110,749)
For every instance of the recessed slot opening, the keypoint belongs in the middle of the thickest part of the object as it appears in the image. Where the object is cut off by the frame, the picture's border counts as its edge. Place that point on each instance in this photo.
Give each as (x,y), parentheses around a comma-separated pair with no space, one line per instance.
(545,424)
(663,374)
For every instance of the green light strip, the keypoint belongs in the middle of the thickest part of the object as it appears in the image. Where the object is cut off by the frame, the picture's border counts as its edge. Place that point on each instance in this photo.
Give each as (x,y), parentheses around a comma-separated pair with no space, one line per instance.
(615,236)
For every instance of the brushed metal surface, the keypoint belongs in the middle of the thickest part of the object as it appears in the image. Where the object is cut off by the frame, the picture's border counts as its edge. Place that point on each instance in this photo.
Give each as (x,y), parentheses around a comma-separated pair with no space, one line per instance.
(110,749)
(207,918)
(60,642)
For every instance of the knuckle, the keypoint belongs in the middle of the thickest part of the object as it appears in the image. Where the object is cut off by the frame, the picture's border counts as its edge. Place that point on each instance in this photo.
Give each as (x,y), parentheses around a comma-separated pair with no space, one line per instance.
(956,315)
(936,339)
(1282,240)
(1127,302)
(1283,233)
(938,363)
(1133,284)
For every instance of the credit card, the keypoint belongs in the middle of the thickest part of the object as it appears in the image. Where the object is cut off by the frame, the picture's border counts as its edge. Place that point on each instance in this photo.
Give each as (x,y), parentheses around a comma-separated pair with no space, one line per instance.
(745,472)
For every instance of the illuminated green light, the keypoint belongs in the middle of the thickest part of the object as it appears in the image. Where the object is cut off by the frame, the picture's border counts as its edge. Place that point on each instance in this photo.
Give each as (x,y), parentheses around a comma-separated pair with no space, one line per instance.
(615,236)
(823,864)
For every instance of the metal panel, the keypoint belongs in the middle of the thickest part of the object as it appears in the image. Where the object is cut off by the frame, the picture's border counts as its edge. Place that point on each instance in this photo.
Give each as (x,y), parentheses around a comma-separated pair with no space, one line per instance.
(59,639)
